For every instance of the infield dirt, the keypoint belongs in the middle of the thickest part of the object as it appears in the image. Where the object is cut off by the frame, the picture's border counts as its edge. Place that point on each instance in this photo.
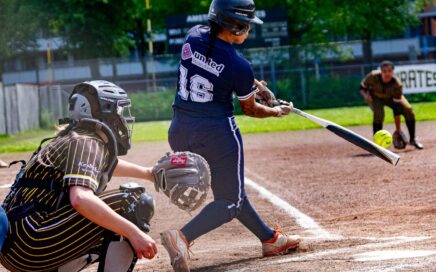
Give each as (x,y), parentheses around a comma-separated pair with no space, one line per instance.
(372,207)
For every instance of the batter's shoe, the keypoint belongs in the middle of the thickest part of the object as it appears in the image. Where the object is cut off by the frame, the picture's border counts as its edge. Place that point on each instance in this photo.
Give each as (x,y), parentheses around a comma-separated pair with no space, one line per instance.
(178,249)
(417,144)
(280,244)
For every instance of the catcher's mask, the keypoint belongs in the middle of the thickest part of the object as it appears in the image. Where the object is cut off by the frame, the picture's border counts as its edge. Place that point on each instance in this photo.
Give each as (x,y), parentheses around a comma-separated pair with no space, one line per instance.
(108,103)
(234,15)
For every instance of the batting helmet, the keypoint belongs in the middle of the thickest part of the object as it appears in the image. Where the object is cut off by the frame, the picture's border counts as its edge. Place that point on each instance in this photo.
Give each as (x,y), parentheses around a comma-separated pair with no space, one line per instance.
(107,103)
(234,15)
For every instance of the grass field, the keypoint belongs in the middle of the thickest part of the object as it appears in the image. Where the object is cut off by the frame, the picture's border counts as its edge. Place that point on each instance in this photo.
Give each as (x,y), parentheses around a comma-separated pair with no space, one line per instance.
(157,131)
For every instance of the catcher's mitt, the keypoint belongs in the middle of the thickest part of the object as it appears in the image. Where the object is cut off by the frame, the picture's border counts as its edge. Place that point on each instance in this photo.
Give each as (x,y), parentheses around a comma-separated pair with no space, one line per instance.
(184,177)
(400,140)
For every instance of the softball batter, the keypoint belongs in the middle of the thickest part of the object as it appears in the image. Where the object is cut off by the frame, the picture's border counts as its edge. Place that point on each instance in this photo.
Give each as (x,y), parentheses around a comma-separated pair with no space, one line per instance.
(60,217)
(381,88)
(210,72)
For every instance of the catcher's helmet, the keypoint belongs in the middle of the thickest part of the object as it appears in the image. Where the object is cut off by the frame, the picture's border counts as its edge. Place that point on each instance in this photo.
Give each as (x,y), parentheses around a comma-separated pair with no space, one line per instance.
(107,103)
(234,15)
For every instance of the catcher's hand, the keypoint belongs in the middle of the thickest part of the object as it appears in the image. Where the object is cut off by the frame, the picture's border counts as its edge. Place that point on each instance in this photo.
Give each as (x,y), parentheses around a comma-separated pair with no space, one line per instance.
(184,177)
(400,140)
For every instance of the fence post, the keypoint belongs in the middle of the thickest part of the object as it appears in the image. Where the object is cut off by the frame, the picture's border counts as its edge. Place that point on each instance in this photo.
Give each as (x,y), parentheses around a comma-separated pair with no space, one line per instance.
(303,87)
(3,127)
(273,76)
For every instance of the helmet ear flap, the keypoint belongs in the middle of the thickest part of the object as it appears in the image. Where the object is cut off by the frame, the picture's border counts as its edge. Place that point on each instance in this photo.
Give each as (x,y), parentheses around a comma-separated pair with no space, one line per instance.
(79,107)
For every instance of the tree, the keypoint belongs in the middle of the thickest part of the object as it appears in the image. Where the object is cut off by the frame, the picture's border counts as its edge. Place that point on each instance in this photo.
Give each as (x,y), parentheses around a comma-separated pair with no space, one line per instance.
(368,19)
(18,30)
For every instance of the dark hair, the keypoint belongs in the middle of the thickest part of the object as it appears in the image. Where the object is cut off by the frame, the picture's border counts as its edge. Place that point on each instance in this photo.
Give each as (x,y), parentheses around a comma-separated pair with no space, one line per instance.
(215,29)
(387,63)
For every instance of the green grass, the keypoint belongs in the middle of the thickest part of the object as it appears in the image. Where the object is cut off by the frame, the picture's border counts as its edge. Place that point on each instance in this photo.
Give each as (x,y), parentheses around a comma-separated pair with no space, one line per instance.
(28,141)
(157,131)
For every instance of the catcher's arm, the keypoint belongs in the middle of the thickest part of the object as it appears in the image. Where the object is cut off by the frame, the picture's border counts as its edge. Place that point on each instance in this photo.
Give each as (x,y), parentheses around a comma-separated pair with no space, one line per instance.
(86,203)
(132,170)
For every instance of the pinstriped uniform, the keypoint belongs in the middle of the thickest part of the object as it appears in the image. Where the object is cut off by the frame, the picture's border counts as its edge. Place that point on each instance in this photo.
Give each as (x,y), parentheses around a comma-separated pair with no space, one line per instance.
(44,238)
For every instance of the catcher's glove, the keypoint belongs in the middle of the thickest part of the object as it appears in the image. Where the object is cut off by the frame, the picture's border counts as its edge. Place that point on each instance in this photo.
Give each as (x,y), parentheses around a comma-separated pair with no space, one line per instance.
(400,140)
(184,177)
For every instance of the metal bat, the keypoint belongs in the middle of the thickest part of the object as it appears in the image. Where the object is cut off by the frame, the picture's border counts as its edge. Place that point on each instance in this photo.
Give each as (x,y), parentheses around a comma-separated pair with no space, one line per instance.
(353,138)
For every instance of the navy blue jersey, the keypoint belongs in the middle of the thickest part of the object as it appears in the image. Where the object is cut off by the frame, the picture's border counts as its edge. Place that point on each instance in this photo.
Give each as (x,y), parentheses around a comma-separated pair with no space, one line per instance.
(206,83)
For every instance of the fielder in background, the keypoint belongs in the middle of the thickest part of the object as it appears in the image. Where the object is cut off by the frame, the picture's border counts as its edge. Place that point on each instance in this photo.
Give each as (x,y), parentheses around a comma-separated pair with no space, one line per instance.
(210,71)
(381,88)
(60,216)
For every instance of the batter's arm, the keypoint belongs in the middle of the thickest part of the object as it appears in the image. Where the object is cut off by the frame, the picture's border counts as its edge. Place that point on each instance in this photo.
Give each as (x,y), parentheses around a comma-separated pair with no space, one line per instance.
(253,109)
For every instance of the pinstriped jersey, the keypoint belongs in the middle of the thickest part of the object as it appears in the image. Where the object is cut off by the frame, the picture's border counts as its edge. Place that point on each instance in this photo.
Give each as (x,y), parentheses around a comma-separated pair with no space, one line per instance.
(208,78)
(374,84)
(76,159)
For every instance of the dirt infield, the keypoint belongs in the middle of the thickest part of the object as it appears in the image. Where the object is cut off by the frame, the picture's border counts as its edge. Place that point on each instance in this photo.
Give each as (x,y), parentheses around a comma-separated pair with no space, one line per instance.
(354,211)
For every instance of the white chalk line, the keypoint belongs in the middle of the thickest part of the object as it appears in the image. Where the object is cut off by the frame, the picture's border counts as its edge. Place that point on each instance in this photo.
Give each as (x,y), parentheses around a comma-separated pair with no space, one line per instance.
(6,186)
(319,255)
(404,266)
(319,233)
(302,219)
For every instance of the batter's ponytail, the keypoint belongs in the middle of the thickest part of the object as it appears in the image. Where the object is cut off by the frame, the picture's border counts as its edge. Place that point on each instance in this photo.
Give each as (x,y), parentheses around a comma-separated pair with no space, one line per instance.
(215,29)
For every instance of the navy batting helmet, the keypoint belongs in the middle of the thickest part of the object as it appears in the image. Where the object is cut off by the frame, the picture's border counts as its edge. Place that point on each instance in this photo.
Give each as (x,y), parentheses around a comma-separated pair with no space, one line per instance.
(234,15)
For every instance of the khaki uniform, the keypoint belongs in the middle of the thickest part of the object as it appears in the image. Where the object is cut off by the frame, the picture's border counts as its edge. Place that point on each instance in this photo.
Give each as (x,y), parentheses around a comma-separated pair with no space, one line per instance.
(386,94)
(45,232)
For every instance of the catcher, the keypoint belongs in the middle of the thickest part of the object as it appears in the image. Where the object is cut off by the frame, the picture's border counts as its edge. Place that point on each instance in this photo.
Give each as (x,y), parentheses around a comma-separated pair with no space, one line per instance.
(58,216)
(381,88)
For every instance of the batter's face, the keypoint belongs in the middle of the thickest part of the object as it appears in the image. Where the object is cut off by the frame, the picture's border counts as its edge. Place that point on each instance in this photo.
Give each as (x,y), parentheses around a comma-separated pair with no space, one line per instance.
(387,73)
(241,39)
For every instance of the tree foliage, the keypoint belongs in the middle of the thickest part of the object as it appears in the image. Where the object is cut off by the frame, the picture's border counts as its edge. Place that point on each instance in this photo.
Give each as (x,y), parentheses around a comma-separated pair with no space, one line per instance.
(102,28)
(17,29)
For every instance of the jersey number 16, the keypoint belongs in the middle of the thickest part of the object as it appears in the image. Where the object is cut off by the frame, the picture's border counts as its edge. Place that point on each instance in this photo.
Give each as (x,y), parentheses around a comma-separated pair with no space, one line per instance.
(200,88)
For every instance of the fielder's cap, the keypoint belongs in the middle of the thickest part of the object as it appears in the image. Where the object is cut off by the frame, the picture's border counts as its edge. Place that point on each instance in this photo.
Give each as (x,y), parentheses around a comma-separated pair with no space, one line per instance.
(386,63)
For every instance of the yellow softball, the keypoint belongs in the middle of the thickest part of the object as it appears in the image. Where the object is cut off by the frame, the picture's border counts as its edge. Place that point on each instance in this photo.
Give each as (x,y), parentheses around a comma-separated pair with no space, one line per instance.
(383,138)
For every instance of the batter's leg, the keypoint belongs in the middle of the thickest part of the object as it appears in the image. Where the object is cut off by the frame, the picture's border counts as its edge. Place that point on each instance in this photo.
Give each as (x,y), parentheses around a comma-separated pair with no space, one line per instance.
(252,221)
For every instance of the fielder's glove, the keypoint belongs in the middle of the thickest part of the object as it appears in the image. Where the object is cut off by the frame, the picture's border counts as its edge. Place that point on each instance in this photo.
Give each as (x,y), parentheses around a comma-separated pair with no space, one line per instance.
(400,140)
(184,177)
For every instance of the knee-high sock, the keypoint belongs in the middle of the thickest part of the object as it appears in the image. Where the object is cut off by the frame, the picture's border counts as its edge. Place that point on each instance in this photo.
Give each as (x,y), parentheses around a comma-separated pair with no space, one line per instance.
(251,220)
(411,124)
(376,127)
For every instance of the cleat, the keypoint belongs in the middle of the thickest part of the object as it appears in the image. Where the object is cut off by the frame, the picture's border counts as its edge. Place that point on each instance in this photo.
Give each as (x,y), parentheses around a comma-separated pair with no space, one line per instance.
(281,244)
(178,249)
(417,144)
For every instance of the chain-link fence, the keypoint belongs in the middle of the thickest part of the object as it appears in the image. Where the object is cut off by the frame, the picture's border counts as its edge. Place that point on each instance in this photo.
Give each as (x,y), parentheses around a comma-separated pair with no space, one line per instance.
(318,76)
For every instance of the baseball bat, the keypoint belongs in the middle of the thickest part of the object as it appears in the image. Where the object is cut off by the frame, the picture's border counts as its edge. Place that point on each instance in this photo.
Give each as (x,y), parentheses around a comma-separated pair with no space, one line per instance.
(353,138)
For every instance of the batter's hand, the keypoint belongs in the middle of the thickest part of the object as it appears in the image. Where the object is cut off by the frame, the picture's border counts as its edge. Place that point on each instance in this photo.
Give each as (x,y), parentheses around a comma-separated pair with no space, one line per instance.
(265,94)
(285,108)
(143,245)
